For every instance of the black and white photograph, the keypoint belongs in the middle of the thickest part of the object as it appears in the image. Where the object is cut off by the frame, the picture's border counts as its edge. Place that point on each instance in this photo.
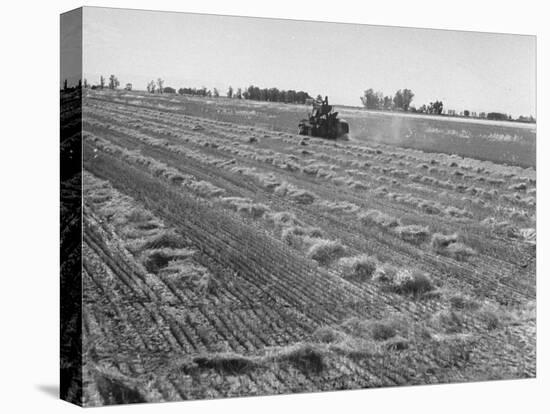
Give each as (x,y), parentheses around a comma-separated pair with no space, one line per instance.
(302,206)
(273,206)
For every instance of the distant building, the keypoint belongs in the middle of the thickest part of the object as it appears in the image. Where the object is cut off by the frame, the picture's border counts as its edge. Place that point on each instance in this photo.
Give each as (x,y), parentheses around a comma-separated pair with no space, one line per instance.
(451,112)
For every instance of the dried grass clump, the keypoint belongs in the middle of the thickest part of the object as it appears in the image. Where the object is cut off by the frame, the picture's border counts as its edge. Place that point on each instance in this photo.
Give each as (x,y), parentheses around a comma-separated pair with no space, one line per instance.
(504,227)
(397,344)
(414,234)
(326,251)
(269,181)
(429,207)
(457,212)
(385,273)
(254,210)
(337,206)
(441,241)
(305,357)
(381,331)
(226,363)
(295,235)
(451,321)
(449,245)
(496,181)
(164,239)
(378,218)
(290,166)
(459,251)
(155,259)
(138,215)
(312,169)
(206,189)
(490,318)
(414,283)
(405,282)
(358,267)
(302,196)
(357,185)
(463,303)
(328,335)
(283,218)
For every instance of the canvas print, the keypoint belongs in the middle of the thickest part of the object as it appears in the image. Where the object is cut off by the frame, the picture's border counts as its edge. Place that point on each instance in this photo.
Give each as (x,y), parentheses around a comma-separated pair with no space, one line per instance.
(259,206)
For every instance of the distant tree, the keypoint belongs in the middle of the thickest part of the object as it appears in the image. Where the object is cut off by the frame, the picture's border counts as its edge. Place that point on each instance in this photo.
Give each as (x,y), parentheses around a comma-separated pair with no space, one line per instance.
(230,92)
(529,119)
(291,96)
(80,84)
(160,85)
(466,112)
(151,87)
(168,89)
(101,82)
(408,96)
(86,86)
(113,82)
(398,99)
(371,99)
(319,98)
(435,108)
(239,93)
(388,103)
(128,87)
(422,109)
(302,97)
(65,87)
(215,93)
(273,95)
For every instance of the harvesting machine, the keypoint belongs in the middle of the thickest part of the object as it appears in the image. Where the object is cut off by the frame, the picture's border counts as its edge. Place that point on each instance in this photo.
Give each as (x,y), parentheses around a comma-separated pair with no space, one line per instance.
(322,122)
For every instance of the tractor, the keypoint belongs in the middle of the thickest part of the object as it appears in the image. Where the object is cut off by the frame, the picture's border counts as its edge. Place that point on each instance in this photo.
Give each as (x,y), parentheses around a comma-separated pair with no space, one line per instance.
(323,122)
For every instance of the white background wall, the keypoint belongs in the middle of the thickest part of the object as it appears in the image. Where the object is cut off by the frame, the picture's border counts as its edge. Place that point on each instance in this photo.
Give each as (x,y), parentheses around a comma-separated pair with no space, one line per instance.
(29,219)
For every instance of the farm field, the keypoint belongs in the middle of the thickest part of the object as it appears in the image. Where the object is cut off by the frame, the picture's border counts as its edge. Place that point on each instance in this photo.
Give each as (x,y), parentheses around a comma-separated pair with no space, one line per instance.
(224,255)
(512,143)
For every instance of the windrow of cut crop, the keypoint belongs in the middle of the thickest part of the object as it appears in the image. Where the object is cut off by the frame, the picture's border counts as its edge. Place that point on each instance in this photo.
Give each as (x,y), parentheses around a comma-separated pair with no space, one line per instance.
(354,184)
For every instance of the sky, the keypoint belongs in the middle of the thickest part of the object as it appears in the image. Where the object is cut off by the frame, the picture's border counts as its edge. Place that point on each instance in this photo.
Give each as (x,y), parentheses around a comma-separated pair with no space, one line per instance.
(466,70)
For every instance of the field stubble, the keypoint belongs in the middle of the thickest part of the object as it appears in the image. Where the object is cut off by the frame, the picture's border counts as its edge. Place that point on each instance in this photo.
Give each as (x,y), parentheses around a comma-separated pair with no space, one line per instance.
(223,259)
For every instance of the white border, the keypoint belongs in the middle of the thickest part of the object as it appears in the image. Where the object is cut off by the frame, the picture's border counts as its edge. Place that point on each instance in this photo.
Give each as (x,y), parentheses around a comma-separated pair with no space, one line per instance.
(30,216)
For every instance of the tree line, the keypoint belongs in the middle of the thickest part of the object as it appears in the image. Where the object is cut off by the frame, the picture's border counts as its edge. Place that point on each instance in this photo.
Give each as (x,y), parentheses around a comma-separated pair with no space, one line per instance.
(377,100)
(256,93)
(400,101)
